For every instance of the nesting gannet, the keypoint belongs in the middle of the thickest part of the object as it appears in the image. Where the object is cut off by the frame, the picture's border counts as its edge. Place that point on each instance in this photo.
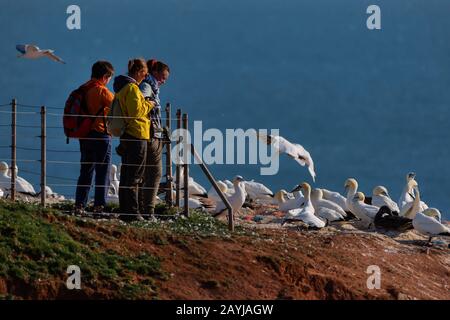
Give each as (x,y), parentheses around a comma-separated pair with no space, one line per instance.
(387,219)
(326,209)
(114,181)
(195,189)
(380,197)
(410,209)
(407,196)
(1,193)
(429,223)
(193,202)
(289,204)
(295,151)
(212,193)
(33,52)
(22,185)
(335,197)
(53,195)
(236,200)
(258,191)
(363,211)
(306,212)
(351,187)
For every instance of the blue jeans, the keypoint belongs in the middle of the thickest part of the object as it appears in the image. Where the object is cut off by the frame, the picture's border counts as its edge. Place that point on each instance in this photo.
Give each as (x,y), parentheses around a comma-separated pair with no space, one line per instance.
(98,151)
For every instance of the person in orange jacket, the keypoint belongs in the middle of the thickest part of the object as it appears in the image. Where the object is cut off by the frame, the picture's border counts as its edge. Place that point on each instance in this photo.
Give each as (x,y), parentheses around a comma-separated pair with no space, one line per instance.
(96,147)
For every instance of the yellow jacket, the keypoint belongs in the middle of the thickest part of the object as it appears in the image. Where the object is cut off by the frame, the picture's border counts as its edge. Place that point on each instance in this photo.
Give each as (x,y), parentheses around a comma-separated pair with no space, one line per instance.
(134,105)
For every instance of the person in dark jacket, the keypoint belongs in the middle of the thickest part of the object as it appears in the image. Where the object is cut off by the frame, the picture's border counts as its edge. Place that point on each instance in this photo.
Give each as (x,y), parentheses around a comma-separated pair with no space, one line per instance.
(158,73)
(133,143)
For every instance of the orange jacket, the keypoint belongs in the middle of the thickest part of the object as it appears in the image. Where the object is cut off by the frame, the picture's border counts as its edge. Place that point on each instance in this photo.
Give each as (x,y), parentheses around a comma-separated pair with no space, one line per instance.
(98,97)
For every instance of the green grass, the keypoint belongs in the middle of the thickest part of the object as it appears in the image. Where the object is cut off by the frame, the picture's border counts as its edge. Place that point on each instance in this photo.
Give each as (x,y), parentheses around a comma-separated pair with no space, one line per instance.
(34,249)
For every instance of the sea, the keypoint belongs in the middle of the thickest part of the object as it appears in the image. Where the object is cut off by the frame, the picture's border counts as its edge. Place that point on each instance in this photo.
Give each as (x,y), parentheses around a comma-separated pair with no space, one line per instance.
(368,104)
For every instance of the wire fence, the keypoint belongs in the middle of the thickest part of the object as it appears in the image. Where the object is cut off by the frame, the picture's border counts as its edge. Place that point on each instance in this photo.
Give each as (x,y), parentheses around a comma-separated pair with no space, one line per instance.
(52,180)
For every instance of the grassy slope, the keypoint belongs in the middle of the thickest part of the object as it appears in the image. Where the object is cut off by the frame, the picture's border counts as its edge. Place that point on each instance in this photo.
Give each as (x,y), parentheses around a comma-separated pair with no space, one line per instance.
(34,251)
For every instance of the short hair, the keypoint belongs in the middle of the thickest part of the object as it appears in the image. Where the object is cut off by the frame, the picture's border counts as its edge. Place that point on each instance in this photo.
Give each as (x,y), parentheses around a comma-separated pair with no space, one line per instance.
(102,68)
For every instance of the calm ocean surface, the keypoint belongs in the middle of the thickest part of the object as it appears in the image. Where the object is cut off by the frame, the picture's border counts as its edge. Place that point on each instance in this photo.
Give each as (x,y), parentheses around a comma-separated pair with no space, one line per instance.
(372,105)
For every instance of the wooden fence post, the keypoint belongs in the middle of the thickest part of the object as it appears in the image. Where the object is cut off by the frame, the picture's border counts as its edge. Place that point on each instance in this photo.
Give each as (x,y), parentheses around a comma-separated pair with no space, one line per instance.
(13,149)
(43,156)
(169,179)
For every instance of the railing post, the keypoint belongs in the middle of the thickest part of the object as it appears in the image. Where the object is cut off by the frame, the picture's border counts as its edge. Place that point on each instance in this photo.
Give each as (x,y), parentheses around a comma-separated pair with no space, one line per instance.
(216,187)
(177,165)
(169,179)
(43,156)
(13,149)
(185,164)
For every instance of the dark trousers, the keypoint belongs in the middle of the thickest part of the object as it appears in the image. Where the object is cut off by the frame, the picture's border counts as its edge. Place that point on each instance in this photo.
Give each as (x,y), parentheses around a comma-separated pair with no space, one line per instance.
(95,157)
(133,152)
(152,176)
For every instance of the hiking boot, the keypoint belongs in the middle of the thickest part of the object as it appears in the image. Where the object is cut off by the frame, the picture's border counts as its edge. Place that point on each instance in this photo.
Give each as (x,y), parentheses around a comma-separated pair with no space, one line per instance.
(131,217)
(99,213)
(79,211)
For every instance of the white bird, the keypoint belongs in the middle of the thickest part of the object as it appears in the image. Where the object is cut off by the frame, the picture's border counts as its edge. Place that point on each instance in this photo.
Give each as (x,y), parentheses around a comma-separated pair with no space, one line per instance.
(114,181)
(407,196)
(289,204)
(295,151)
(429,223)
(230,185)
(193,202)
(258,191)
(306,212)
(22,185)
(212,193)
(50,194)
(195,189)
(380,197)
(363,211)
(33,52)
(351,187)
(1,193)
(5,180)
(236,200)
(326,209)
(410,209)
(335,197)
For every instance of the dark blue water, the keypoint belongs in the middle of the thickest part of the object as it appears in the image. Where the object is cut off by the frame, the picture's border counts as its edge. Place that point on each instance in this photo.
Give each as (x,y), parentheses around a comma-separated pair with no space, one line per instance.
(367,104)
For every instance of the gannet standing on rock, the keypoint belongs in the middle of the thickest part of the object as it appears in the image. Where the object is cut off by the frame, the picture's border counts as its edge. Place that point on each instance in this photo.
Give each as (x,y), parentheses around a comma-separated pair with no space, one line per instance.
(114,181)
(236,200)
(410,209)
(5,180)
(326,209)
(295,151)
(380,197)
(363,211)
(408,195)
(351,187)
(306,212)
(429,223)
(288,204)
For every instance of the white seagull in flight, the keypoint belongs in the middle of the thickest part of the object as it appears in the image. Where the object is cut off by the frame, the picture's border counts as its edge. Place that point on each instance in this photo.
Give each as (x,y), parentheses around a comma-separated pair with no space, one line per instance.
(33,52)
(295,151)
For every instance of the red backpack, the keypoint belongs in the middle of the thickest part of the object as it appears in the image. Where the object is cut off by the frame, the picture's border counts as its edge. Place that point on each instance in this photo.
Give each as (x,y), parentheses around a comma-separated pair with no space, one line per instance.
(75,122)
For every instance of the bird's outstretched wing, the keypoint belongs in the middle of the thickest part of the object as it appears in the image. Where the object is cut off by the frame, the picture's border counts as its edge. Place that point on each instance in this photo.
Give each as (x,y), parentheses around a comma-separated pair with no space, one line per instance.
(54,57)
(21,48)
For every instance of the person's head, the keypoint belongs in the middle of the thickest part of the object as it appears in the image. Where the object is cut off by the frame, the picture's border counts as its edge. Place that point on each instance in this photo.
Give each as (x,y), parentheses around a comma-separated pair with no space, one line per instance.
(102,71)
(137,69)
(159,70)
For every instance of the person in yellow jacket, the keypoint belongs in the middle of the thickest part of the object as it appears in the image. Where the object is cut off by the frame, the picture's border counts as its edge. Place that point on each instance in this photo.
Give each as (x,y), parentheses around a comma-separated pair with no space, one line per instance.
(133,143)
